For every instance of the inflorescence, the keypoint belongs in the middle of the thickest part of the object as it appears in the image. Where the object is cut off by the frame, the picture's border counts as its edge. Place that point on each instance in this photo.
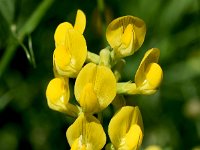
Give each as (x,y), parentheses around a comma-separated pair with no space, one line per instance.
(97,83)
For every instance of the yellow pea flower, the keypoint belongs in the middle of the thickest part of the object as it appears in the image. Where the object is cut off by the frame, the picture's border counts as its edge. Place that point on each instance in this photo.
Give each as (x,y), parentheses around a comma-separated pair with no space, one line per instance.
(149,74)
(95,87)
(126,129)
(58,94)
(86,133)
(60,33)
(126,35)
(69,59)
(69,56)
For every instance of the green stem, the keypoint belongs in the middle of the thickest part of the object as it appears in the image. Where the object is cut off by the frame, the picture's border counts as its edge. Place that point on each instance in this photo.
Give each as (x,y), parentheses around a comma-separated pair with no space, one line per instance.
(105,58)
(28,27)
(92,57)
(100,4)
(114,57)
(117,69)
(127,88)
(100,117)
(118,102)
(9,53)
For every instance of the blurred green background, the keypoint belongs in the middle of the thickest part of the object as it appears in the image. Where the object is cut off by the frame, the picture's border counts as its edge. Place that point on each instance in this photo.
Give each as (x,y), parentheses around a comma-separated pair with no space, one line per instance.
(171,116)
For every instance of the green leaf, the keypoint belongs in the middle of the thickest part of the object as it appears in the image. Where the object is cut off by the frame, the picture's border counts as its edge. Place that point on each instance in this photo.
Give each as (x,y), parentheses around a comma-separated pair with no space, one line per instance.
(31,51)
(7,10)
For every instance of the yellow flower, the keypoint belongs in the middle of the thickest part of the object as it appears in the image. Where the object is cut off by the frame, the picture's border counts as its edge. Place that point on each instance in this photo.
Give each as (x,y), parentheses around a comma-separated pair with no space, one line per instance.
(126,129)
(69,59)
(86,133)
(95,87)
(60,33)
(149,74)
(57,94)
(126,35)
(71,49)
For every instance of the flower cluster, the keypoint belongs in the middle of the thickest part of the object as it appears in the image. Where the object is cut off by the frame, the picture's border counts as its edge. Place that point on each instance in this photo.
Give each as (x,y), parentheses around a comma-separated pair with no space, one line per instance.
(97,83)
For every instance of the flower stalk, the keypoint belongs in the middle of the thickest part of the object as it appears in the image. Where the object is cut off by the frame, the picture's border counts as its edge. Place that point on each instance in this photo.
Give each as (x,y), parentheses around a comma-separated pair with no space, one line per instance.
(92,57)
(105,58)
